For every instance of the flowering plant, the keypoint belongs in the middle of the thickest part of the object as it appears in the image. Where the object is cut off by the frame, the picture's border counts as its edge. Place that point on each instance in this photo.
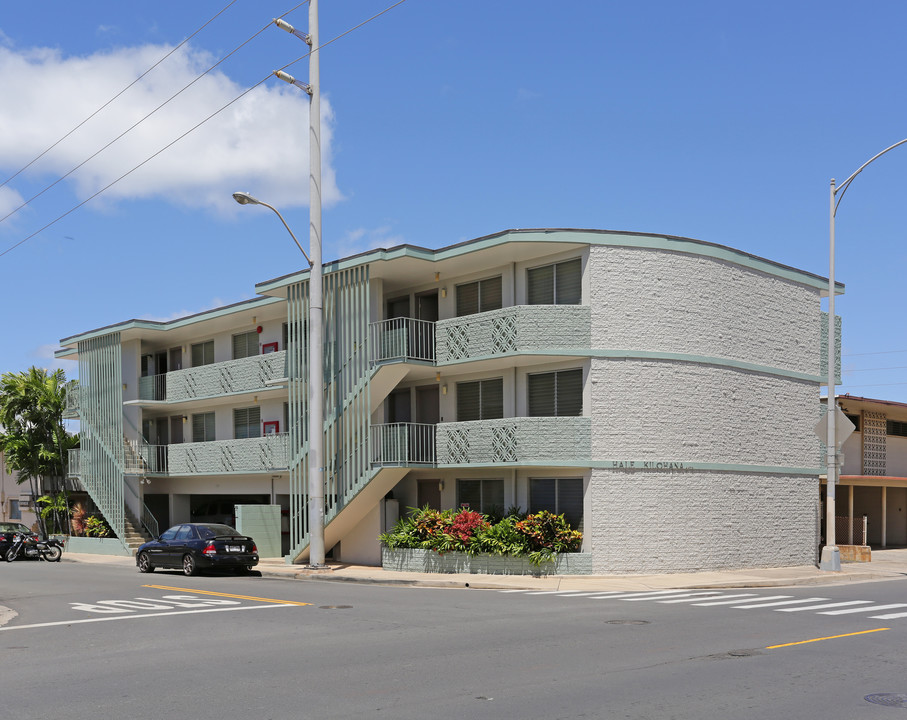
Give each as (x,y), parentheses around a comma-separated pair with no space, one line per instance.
(537,537)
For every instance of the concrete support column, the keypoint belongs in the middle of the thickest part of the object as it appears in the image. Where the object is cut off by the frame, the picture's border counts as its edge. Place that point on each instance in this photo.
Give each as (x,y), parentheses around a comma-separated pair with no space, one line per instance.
(850,515)
(884,516)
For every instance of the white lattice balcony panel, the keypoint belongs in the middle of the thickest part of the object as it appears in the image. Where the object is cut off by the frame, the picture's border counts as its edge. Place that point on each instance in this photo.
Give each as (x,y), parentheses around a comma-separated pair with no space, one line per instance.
(225,378)
(262,454)
(518,329)
(71,407)
(525,441)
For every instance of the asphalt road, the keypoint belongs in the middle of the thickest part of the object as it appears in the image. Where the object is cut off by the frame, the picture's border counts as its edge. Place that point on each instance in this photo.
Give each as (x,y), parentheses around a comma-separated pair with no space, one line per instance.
(106,642)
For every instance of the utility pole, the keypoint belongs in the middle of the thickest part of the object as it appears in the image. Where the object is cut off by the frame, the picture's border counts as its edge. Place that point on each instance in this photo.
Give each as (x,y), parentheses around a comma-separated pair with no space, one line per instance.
(316,307)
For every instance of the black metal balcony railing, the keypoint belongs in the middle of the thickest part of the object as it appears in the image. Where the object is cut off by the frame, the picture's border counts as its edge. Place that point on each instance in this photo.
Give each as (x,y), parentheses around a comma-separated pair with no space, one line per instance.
(402,339)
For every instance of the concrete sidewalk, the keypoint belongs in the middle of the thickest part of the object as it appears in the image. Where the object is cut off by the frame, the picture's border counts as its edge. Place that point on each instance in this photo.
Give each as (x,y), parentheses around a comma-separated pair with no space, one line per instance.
(886,564)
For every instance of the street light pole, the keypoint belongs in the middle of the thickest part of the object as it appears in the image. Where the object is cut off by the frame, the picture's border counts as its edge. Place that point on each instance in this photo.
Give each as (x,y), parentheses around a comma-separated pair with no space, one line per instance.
(831,556)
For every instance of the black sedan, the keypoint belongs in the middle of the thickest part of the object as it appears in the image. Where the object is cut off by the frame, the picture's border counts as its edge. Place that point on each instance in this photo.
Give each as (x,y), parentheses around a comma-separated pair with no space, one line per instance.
(8,530)
(195,546)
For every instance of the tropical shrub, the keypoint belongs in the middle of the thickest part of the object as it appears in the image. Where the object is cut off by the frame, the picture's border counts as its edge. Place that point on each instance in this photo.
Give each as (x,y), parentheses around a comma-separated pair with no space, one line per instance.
(97,527)
(538,537)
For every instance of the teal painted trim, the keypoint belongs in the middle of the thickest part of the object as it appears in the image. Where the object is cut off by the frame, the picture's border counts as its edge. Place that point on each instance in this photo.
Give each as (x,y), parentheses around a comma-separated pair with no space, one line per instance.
(170,403)
(164,326)
(269,471)
(651,465)
(645,355)
(643,466)
(705,360)
(567,236)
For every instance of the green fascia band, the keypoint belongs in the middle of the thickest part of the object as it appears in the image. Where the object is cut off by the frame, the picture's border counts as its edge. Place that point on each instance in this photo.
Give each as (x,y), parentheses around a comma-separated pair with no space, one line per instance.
(644,466)
(646,355)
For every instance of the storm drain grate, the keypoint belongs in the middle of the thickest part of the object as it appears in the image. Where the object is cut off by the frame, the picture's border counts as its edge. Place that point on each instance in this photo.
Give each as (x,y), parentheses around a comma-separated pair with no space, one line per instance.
(888,699)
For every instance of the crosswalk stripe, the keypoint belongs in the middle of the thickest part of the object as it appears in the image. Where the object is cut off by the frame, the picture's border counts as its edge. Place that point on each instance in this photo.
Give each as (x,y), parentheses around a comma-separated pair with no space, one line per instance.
(760,603)
(889,616)
(872,608)
(728,600)
(548,592)
(683,595)
(822,607)
(589,594)
(691,598)
(641,595)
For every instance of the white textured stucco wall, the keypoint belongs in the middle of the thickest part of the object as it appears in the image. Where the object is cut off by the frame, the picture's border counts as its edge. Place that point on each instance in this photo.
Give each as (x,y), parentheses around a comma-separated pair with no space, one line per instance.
(691,411)
(650,522)
(657,300)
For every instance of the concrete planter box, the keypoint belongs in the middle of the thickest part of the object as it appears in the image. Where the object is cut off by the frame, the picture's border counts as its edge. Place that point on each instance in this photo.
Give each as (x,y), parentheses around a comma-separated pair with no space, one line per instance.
(409,560)
(95,546)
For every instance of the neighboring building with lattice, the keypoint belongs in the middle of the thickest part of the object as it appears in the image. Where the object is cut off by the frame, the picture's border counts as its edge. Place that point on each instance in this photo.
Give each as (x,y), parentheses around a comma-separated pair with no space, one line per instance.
(873,478)
(16,501)
(658,391)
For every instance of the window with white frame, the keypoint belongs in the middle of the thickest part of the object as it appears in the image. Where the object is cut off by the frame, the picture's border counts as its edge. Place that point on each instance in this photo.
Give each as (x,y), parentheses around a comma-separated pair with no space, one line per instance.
(480,400)
(245,345)
(246,423)
(556,394)
(203,427)
(484,495)
(203,353)
(562,496)
(479,296)
(556,284)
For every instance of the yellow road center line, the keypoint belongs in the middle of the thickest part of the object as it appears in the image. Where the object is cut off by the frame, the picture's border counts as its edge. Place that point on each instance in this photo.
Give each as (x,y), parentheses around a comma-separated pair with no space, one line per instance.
(831,637)
(240,597)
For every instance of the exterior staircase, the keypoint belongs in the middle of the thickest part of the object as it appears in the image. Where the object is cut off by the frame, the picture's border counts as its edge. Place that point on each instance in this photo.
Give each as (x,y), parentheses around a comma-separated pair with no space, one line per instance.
(135,534)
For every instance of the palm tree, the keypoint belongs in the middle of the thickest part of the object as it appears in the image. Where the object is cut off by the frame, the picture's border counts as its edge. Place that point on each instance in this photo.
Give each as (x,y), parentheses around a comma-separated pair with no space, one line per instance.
(32,435)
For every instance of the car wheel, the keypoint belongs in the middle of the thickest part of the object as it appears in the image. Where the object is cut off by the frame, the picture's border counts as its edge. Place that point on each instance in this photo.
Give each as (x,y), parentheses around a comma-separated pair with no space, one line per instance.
(144,563)
(189,566)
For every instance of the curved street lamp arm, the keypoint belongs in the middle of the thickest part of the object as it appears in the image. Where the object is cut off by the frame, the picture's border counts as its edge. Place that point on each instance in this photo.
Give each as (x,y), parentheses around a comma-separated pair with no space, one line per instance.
(842,188)
(277,212)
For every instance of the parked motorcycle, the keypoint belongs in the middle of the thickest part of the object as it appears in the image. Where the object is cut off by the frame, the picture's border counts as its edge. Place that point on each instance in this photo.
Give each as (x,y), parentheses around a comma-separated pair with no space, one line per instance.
(26,546)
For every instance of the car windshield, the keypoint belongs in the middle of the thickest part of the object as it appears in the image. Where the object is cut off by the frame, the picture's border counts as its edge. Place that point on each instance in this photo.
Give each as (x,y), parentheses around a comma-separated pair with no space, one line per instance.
(13,527)
(210,531)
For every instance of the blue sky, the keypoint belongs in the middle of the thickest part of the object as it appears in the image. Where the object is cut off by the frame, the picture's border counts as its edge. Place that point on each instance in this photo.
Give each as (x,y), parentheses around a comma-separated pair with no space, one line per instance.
(444,121)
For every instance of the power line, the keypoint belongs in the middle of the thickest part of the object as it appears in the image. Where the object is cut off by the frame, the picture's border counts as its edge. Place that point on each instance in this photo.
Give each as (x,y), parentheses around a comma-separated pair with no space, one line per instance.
(28,165)
(880,352)
(195,127)
(875,385)
(140,121)
(896,367)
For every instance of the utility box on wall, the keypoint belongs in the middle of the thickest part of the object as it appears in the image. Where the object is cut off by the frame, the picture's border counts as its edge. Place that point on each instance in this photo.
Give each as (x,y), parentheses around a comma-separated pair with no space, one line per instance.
(262,524)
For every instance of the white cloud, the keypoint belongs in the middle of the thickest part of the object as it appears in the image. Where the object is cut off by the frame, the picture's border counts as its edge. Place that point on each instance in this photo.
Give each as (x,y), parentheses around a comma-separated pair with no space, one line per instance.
(9,200)
(179,314)
(260,143)
(44,358)
(362,239)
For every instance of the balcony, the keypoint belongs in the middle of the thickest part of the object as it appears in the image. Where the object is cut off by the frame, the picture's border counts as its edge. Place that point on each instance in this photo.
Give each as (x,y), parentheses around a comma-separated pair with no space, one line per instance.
(560,441)
(263,454)
(72,404)
(402,339)
(402,444)
(516,329)
(225,378)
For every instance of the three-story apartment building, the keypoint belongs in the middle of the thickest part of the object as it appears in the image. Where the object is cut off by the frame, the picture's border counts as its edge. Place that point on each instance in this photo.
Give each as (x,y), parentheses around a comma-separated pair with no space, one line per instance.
(658,391)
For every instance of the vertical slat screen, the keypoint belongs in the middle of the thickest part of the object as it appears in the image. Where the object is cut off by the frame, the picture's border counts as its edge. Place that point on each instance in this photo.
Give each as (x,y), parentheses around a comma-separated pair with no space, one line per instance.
(101,427)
